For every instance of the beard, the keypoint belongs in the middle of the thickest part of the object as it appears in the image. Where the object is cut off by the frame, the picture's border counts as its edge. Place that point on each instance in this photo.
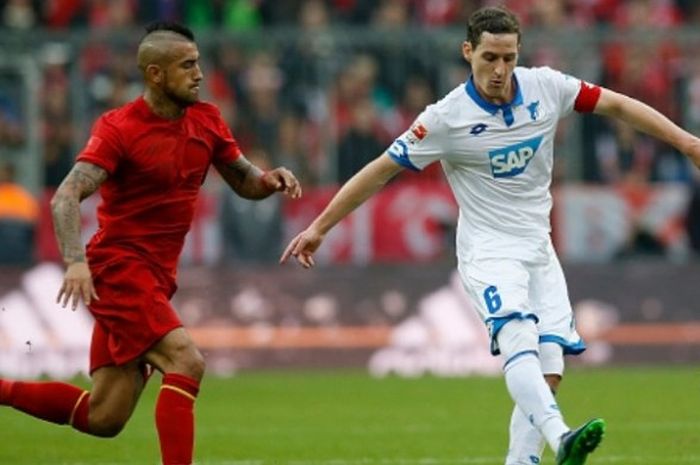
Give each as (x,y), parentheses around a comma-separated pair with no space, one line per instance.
(181,99)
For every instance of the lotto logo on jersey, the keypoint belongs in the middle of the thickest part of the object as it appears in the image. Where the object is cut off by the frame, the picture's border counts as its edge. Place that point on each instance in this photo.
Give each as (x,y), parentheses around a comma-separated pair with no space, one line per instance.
(513,160)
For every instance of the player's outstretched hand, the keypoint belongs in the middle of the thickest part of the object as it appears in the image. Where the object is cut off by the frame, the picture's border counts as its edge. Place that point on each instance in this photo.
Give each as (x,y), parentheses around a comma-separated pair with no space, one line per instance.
(282,180)
(303,247)
(77,284)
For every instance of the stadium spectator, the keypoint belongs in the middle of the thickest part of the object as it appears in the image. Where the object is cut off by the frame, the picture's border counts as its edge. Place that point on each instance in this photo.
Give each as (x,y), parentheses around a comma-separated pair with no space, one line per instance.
(252,230)
(494,136)
(297,149)
(308,54)
(262,81)
(356,82)
(57,119)
(359,144)
(19,212)
(149,159)
(111,14)
(19,14)
(12,131)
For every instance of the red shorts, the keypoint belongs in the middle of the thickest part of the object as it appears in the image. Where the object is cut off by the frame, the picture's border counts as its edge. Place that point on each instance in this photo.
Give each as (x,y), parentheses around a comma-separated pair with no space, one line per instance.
(133,312)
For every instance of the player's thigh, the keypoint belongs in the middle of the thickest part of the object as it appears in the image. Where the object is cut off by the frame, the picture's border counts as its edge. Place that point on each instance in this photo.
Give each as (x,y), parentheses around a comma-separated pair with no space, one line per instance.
(550,296)
(132,314)
(177,353)
(114,394)
(499,288)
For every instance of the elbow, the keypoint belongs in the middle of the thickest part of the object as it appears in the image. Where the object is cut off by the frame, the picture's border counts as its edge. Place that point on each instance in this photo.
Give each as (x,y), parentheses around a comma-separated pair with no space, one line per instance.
(55,202)
(60,202)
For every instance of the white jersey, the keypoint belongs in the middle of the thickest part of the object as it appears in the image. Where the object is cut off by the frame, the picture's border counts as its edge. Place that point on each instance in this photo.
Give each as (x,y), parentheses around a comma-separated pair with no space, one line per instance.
(498,160)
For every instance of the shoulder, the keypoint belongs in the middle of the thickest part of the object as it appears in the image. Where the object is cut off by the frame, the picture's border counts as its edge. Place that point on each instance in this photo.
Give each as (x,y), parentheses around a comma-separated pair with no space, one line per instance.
(542,74)
(120,121)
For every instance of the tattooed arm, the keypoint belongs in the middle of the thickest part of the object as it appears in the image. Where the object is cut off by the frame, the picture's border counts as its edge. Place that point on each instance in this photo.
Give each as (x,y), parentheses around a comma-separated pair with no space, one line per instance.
(250,182)
(81,182)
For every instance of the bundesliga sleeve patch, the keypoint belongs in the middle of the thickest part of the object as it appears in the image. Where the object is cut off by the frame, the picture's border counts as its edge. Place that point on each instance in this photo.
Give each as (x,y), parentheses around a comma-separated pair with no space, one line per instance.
(93,144)
(587,97)
(417,133)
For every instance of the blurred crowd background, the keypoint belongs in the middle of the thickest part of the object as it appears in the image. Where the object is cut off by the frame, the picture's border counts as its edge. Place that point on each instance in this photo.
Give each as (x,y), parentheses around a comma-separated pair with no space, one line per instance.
(324,86)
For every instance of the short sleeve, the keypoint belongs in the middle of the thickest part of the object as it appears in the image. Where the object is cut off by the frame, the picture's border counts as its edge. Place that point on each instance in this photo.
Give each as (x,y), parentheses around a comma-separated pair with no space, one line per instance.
(423,143)
(567,88)
(227,149)
(103,148)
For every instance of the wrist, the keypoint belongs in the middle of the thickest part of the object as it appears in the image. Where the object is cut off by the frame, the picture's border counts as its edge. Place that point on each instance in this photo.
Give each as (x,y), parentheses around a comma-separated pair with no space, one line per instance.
(73,258)
(319,228)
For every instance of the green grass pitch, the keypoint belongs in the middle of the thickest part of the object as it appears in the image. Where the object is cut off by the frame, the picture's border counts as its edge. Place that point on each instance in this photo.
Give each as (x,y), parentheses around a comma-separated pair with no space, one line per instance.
(348,418)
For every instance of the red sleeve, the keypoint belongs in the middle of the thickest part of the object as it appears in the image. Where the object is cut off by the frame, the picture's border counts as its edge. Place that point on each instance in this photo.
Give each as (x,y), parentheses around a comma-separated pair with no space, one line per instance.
(103,148)
(587,97)
(227,149)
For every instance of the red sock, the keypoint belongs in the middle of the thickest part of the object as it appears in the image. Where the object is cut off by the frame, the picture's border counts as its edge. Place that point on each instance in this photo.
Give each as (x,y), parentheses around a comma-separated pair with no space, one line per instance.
(55,402)
(175,418)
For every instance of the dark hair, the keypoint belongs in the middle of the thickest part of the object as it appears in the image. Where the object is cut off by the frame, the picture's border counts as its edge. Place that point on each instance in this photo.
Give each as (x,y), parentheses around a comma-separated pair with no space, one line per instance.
(172,27)
(496,20)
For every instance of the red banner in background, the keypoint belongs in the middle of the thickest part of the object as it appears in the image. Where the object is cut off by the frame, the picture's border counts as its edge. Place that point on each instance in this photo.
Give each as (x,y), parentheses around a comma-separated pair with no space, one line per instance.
(599,224)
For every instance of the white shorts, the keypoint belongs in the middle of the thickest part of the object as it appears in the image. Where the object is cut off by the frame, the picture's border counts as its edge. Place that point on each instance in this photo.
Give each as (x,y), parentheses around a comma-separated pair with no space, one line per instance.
(503,289)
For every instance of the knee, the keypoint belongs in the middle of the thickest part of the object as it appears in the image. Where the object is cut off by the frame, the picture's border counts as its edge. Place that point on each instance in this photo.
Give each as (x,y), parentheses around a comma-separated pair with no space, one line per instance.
(518,337)
(189,361)
(176,353)
(106,424)
(195,365)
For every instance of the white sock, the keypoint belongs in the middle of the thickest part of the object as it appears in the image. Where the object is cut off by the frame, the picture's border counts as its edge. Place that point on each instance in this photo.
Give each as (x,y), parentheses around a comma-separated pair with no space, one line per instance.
(526,441)
(532,395)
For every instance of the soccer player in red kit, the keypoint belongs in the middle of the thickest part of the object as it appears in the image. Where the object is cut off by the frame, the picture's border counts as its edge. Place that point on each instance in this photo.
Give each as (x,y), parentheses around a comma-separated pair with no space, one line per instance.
(148,159)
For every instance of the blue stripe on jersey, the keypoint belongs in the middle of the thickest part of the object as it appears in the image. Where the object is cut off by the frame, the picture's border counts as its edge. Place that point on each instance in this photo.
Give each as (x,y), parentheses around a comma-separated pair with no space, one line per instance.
(570,348)
(399,153)
(492,108)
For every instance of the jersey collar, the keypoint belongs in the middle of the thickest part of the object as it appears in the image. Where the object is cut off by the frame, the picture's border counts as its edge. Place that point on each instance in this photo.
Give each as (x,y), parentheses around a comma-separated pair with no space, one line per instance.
(492,107)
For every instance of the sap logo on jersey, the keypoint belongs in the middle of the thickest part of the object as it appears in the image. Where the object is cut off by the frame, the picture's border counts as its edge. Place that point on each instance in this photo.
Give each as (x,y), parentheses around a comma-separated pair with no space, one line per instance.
(512,160)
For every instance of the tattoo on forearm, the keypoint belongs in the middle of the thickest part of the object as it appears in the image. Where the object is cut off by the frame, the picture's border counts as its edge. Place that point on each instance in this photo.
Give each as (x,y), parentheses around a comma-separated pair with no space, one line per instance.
(83,180)
(239,171)
(244,179)
(66,220)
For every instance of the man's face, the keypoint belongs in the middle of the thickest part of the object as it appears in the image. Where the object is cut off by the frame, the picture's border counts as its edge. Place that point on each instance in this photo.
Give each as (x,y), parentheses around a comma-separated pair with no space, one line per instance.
(182,76)
(493,62)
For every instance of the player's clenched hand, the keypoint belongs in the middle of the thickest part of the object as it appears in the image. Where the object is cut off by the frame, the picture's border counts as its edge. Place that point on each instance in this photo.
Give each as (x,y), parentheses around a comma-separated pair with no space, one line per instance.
(282,180)
(77,284)
(303,247)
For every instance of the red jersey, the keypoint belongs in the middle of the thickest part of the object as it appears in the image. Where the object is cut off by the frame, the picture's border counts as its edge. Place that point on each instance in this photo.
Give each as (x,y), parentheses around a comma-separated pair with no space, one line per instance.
(156,167)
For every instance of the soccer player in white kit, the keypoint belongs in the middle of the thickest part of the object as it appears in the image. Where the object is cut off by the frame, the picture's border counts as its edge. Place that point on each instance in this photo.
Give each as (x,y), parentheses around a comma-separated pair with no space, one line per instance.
(494,137)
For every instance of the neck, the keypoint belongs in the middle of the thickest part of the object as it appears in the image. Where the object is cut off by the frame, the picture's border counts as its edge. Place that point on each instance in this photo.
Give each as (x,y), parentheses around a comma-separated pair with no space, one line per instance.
(162,106)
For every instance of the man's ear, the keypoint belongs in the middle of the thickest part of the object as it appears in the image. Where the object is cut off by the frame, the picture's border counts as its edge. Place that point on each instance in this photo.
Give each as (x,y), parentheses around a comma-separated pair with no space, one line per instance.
(154,74)
(467,51)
